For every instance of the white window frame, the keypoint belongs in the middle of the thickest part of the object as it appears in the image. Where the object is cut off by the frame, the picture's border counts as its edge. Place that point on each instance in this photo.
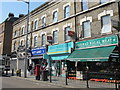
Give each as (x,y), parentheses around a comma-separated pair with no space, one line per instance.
(86,19)
(42,42)
(55,19)
(102,26)
(84,29)
(55,29)
(14,45)
(23,42)
(82,6)
(66,13)
(36,24)
(104,2)
(105,12)
(43,24)
(29,27)
(15,34)
(23,30)
(35,42)
(64,28)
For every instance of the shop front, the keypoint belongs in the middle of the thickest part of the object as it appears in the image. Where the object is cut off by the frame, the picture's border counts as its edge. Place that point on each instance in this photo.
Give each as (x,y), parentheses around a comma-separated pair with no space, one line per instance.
(37,56)
(57,56)
(98,55)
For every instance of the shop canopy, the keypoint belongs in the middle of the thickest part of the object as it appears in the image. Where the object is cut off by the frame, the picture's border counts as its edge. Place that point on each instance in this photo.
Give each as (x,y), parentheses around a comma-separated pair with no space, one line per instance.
(92,54)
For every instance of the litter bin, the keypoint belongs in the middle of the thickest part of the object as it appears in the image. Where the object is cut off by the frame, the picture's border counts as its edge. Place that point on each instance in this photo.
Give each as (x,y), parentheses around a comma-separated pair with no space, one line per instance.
(45,75)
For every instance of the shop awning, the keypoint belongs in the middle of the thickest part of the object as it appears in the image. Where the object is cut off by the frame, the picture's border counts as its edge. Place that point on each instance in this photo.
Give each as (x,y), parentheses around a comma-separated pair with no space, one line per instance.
(92,54)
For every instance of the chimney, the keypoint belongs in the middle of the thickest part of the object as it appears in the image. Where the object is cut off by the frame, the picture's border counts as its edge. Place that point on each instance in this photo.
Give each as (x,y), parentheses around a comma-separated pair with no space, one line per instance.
(21,15)
(11,15)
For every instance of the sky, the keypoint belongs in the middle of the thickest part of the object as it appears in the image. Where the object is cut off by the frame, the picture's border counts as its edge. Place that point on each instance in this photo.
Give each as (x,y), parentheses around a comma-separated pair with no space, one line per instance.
(16,7)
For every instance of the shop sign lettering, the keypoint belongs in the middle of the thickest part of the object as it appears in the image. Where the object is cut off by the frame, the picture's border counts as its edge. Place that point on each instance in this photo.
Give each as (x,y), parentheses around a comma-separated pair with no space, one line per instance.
(97,42)
(38,51)
(60,48)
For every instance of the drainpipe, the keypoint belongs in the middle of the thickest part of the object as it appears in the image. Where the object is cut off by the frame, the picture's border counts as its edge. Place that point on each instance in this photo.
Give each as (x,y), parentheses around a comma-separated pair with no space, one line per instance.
(119,38)
(76,31)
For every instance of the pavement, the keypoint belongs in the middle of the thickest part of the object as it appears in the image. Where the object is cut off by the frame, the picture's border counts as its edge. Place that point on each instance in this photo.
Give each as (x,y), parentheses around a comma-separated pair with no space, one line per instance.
(61,82)
(15,82)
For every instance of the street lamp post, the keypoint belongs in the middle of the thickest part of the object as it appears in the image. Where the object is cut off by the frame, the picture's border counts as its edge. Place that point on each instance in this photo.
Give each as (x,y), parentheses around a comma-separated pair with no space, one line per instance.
(26,47)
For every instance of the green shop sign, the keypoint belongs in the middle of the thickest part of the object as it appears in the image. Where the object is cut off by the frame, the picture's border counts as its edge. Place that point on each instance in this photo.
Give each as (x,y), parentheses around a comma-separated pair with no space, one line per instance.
(60,48)
(113,40)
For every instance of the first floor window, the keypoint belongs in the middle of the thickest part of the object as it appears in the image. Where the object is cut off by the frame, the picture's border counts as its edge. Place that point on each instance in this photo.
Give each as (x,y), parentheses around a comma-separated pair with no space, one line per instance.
(55,16)
(84,5)
(66,33)
(14,47)
(29,28)
(43,39)
(106,24)
(36,24)
(23,30)
(55,36)
(35,41)
(86,29)
(103,1)
(15,33)
(67,11)
(43,22)
(22,43)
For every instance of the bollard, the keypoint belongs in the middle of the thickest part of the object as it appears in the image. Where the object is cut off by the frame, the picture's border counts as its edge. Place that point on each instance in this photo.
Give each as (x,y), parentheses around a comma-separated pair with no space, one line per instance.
(19,72)
(12,72)
(87,79)
(87,68)
(50,75)
(115,74)
(66,77)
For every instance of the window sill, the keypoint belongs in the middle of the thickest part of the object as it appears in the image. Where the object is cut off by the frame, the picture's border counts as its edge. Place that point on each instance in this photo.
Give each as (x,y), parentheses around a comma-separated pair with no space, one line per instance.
(55,43)
(43,45)
(106,33)
(86,37)
(68,41)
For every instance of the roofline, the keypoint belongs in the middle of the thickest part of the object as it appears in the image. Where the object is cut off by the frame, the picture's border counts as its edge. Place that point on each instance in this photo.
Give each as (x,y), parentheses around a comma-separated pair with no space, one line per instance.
(36,9)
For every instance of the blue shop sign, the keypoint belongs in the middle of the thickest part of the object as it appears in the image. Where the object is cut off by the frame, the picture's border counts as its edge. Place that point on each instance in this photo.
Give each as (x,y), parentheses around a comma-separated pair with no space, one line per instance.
(38,51)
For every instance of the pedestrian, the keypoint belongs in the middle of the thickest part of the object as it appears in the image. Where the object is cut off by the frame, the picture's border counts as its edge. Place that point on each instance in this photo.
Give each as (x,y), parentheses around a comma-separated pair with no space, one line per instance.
(30,69)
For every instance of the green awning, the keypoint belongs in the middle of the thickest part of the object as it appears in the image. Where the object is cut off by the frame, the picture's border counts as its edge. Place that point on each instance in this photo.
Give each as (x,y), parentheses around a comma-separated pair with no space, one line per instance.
(92,54)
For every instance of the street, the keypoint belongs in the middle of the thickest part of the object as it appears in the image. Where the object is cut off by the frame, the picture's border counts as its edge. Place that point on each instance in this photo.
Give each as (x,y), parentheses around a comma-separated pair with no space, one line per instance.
(13,82)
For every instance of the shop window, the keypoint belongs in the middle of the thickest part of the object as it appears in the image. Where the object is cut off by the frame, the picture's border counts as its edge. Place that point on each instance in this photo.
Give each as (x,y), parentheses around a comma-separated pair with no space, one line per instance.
(55,36)
(67,38)
(106,24)
(35,41)
(84,5)
(43,40)
(103,1)
(67,11)
(86,29)
(55,16)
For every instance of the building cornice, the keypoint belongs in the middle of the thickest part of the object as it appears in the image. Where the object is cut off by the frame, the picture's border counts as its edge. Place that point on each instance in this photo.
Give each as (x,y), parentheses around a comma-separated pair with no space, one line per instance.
(38,10)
